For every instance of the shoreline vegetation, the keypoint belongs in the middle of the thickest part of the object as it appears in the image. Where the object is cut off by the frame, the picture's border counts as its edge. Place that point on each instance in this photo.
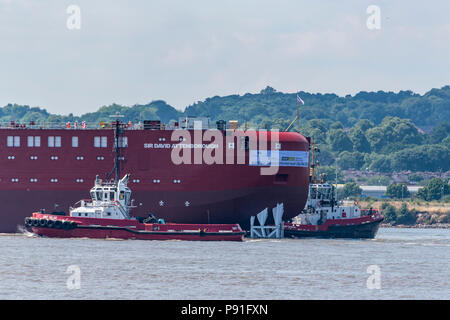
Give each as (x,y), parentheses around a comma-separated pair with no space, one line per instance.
(429,207)
(412,213)
(417,226)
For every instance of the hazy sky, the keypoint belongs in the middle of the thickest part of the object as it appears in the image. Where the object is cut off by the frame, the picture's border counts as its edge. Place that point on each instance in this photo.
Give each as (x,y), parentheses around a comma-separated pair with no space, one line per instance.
(183,51)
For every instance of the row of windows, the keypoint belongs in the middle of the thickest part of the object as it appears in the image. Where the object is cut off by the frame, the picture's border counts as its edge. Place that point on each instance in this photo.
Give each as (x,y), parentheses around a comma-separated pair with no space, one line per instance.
(55,141)
(57,158)
(53,180)
(79,180)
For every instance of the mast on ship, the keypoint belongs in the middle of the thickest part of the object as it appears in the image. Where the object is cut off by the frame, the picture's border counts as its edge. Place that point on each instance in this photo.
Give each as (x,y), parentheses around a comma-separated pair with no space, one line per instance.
(297,118)
(117,132)
(314,163)
(313,180)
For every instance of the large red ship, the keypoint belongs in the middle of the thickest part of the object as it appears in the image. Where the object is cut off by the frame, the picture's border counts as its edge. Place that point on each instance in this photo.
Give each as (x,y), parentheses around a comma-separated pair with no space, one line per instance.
(50,167)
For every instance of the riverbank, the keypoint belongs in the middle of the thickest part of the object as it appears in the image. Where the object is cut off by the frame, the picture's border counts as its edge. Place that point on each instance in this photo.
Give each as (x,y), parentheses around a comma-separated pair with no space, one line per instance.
(431,207)
(430,215)
(417,226)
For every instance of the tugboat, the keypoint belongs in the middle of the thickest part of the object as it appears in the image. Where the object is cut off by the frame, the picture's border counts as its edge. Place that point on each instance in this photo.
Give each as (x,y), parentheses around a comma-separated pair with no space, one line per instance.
(324,217)
(107,215)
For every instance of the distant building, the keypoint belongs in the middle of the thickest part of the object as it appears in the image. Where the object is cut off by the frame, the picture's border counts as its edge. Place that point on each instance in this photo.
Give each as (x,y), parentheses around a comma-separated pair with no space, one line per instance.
(379,191)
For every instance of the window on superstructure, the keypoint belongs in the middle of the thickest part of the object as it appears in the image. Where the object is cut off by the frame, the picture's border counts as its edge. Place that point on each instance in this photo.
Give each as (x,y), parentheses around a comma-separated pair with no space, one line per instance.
(244,142)
(123,142)
(10,141)
(100,142)
(313,193)
(53,141)
(34,141)
(97,142)
(16,141)
(75,142)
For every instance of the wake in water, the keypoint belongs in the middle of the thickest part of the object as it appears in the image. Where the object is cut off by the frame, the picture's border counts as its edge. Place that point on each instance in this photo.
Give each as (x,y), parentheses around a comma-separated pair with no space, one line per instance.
(22,230)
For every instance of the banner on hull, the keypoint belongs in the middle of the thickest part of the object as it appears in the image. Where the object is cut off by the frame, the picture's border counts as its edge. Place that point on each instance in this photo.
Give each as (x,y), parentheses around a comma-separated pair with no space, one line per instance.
(282,158)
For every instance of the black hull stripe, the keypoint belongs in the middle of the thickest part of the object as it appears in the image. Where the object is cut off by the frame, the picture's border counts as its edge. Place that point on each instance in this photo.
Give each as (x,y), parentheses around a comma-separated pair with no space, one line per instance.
(155,232)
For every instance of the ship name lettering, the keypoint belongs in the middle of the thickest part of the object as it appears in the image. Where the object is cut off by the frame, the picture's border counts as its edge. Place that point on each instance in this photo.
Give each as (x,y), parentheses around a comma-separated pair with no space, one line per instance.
(181,145)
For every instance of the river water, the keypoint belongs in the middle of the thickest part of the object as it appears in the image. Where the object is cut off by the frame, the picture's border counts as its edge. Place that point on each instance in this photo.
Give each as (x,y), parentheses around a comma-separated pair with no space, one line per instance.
(398,264)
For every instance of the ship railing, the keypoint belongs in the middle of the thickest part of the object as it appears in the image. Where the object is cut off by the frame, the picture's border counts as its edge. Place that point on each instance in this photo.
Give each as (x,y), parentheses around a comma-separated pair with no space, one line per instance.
(66,126)
(80,203)
(48,125)
(78,126)
(82,125)
(369,212)
(122,209)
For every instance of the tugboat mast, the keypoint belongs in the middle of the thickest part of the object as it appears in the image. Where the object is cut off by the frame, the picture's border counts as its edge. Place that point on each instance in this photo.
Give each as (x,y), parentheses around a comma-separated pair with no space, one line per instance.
(314,164)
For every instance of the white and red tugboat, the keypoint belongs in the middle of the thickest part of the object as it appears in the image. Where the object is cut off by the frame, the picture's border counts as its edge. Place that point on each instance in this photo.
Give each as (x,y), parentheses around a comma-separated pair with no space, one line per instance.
(325,217)
(106,215)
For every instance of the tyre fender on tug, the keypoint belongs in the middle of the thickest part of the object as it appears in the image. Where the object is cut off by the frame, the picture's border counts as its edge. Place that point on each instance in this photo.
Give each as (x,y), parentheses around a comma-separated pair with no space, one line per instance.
(66,225)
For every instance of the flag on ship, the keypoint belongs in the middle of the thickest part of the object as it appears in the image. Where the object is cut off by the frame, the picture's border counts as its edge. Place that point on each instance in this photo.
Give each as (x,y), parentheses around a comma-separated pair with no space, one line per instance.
(300,100)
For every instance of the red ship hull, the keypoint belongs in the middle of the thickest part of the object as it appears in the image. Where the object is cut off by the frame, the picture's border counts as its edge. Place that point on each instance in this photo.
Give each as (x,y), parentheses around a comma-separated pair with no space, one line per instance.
(54,178)
(134,230)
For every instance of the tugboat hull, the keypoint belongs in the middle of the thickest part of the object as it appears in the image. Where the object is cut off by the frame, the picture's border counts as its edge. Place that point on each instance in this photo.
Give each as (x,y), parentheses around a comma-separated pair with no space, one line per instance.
(362,228)
(53,226)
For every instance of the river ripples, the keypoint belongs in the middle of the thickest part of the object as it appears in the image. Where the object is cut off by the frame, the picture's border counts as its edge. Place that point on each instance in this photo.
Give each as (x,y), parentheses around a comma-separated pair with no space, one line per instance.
(412,264)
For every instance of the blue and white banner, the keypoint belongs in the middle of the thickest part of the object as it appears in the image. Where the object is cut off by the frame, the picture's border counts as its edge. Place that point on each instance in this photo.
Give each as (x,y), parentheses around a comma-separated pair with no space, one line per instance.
(282,158)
